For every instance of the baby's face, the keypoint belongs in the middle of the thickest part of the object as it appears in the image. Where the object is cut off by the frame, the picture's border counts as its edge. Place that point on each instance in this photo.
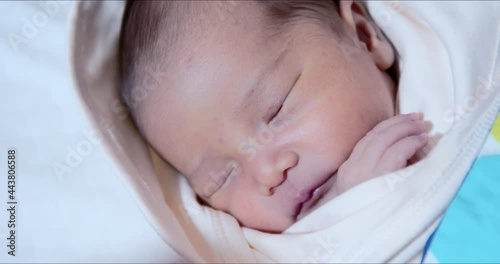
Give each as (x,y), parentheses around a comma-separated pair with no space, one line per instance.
(257,124)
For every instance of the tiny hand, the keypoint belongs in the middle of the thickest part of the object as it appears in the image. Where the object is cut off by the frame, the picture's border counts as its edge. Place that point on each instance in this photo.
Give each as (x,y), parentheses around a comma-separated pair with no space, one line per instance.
(386,148)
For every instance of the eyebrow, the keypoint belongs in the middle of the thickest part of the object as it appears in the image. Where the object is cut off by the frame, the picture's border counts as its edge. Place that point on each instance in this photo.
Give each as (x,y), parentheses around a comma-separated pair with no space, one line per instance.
(248,99)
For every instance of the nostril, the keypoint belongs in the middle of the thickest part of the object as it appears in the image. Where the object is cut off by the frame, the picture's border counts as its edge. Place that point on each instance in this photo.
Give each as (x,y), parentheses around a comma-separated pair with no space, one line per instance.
(266,190)
(270,190)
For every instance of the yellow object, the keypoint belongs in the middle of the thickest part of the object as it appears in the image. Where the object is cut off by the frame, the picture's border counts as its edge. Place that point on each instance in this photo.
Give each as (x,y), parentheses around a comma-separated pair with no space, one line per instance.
(495,131)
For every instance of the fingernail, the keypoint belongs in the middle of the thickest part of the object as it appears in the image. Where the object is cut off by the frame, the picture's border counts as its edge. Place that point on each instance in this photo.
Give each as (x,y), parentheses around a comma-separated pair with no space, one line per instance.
(413,116)
(423,137)
(420,123)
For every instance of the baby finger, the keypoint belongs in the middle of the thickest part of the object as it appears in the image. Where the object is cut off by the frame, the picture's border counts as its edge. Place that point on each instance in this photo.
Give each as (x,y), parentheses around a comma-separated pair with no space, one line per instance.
(392,121)
(397,156)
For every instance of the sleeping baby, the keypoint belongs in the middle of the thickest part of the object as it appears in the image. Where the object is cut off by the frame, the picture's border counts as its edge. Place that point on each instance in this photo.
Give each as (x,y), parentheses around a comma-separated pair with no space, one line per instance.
(269,109)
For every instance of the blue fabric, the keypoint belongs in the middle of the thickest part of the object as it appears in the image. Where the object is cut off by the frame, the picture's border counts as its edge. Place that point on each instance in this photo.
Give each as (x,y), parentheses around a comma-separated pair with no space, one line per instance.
(470,229)
(427,246)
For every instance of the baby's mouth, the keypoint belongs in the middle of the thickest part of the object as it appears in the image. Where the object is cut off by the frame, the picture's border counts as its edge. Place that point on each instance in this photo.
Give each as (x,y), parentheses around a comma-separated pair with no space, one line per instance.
(313,196)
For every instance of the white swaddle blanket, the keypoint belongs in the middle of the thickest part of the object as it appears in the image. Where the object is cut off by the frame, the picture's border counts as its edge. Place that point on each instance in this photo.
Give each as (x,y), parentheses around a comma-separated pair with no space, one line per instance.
(448,53)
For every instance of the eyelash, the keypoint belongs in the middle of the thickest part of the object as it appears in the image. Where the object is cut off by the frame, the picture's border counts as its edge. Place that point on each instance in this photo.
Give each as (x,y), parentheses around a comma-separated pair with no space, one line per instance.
(275,113)
(229,175)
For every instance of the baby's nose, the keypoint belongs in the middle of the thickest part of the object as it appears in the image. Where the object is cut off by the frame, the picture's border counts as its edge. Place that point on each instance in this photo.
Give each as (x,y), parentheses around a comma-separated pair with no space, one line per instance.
(272,171)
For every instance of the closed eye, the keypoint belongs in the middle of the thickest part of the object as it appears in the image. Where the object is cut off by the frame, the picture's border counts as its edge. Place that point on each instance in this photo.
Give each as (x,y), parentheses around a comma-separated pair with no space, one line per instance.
(275,113)
(231,169)
(278,109)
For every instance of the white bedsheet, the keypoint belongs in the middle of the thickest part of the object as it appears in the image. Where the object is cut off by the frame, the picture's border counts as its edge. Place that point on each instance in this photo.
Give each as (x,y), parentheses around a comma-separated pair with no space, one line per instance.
(83,213)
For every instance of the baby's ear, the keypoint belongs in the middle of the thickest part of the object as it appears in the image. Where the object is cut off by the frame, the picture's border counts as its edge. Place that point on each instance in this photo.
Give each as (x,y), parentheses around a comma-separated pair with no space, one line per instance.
(370,36)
